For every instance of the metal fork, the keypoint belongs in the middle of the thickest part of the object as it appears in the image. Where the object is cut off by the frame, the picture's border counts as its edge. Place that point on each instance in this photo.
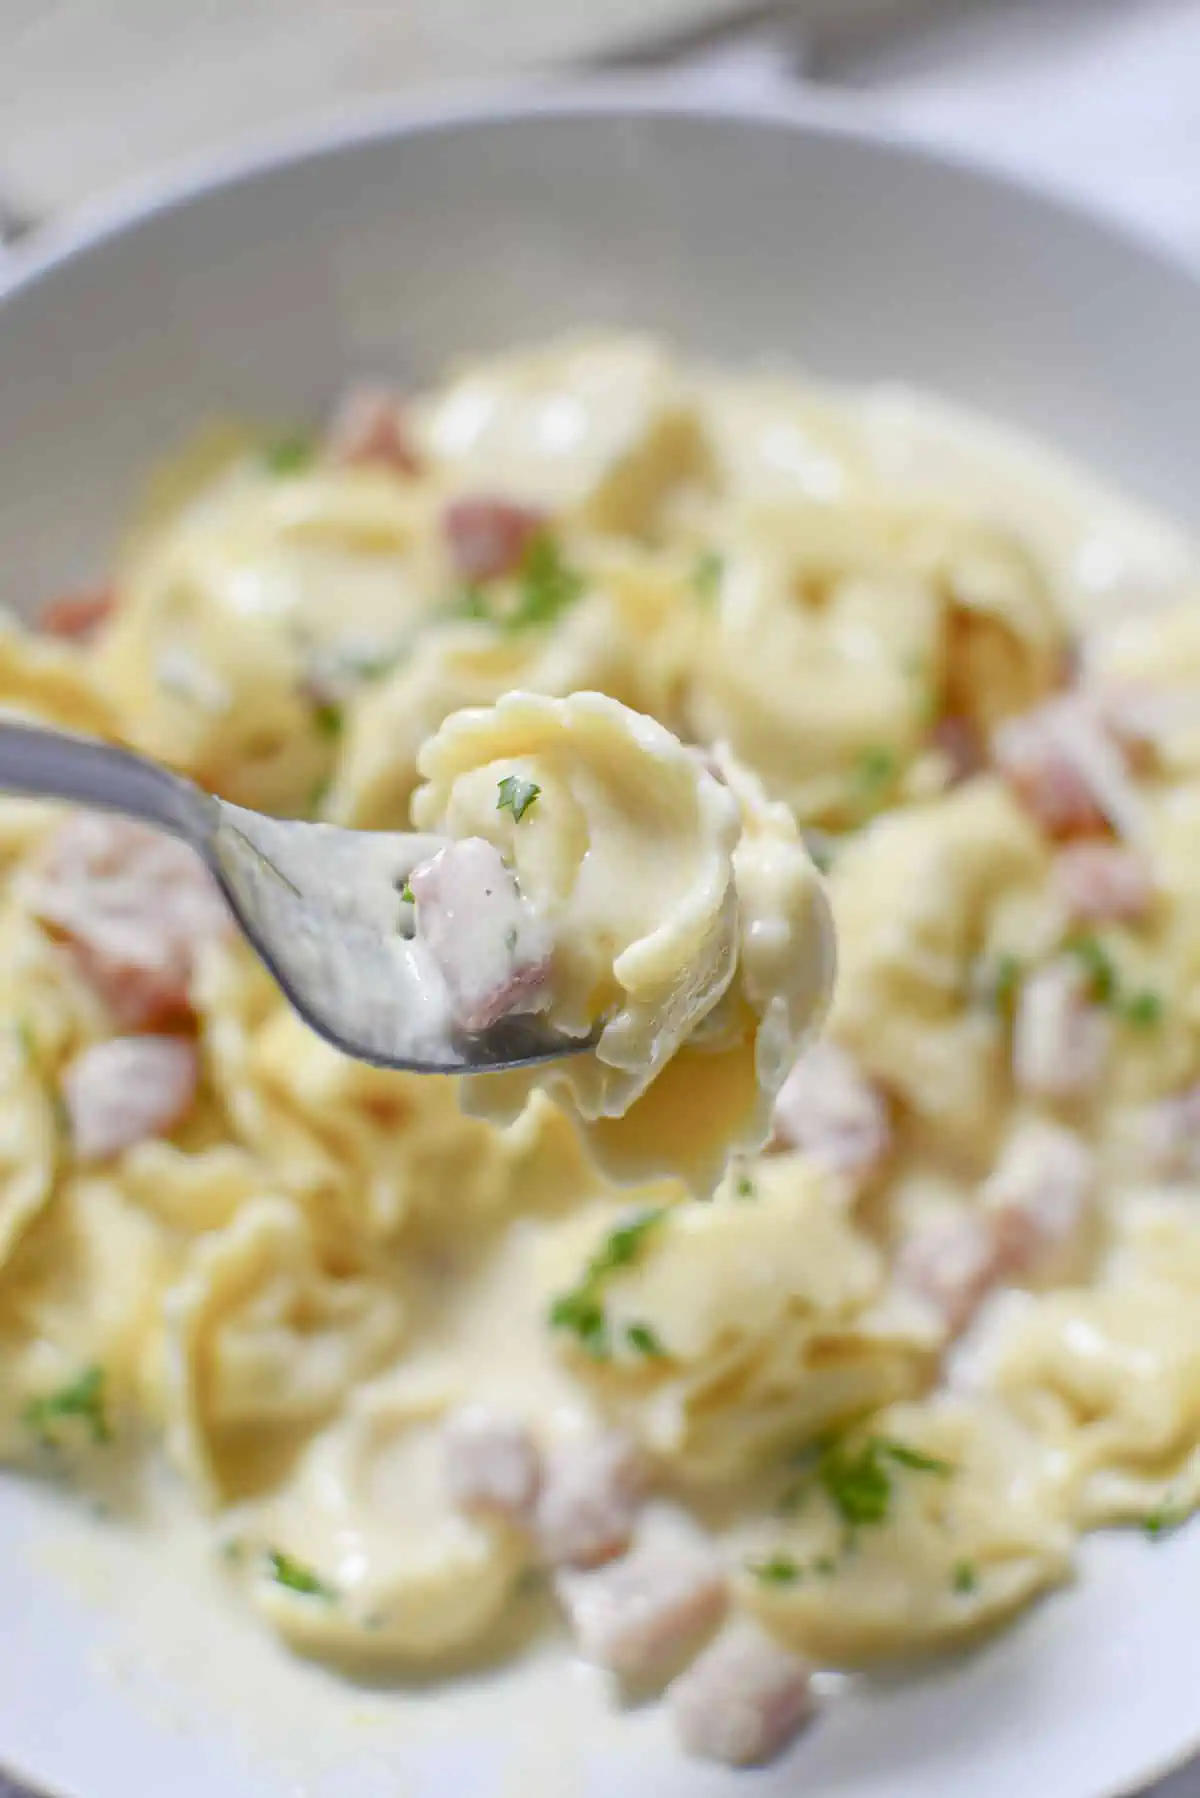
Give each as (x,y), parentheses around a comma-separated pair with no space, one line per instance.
(321,906)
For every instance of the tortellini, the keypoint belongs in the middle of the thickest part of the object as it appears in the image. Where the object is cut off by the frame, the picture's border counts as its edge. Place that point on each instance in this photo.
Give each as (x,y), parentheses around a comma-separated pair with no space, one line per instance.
(754,1321)
(359,1555)
(677,913)
(262,1341)
(616,627)
(962,1517)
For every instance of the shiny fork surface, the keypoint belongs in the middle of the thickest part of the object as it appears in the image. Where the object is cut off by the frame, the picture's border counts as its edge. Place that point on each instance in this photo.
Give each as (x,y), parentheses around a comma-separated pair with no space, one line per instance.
(319,905)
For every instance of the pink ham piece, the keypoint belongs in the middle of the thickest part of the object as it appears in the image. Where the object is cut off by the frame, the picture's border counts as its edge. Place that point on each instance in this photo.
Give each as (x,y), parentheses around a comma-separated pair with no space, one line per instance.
(640,1616)
(743,1700)
(490,949)
(959,741)
(135,906)
(1173,1136)
(1060,1039)
(832,1111)
(1033,1210)
(592,1489)
(127,1090)
(1038,1199)
(1067,769)
(951,1266)
(1099,882)
(488,537)
(76,617)
(491,1463)
(368,427)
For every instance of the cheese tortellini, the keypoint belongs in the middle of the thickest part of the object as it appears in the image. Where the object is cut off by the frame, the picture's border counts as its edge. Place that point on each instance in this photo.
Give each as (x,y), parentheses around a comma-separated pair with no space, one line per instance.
(847,1333)
(667,910)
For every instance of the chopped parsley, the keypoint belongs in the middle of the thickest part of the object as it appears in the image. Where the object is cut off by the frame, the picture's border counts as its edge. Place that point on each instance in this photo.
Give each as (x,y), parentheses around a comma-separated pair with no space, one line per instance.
(546,586)
(1098,965)
(516,795)
(644,1340)
(1165,1518)
(1143,1010)
(581,1311)
(996,980)
(708,572)
(82,1398)
(407,894)
(964,1578)
(857,1477)
(329,719)
(775,1570)
(290,455)
(743,1187)
(296,1577)
(874,775)
(913,1458)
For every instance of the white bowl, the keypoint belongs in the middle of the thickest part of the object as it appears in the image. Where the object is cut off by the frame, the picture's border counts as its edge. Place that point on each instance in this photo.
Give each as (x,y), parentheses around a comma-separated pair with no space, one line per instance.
(811,238)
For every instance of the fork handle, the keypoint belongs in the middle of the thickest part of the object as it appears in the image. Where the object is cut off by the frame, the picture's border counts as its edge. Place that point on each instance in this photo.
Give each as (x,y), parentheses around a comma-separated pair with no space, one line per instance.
(58,764)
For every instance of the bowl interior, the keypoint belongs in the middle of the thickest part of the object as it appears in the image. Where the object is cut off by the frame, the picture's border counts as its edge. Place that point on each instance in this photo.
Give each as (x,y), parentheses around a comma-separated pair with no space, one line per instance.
(750,239)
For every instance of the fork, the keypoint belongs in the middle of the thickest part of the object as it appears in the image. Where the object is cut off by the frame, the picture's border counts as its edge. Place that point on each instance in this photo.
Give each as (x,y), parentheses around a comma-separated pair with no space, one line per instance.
(319,905)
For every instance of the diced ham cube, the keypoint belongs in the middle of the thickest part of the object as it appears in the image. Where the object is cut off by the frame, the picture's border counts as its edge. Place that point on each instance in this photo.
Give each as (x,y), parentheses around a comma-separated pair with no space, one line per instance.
(952,1266)
(641,1615)
(127,1090)
(1068,769)
(1038,1198)
(488,537)
(1141,717)
(77,616)
(492,951)
(135,907)
(1060,1039)
(959,741)
(831,1110)
(1100,883)
(369,426)
(492,1465)
(592,1490)
(743,1700)
(1173,1136)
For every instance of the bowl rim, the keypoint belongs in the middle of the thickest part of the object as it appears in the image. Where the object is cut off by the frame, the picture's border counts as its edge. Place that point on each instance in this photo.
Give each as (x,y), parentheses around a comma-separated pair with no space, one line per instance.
(135,205)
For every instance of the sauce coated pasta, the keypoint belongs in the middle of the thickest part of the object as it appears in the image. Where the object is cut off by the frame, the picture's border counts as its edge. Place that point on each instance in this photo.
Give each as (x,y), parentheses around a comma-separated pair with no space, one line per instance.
(630,633)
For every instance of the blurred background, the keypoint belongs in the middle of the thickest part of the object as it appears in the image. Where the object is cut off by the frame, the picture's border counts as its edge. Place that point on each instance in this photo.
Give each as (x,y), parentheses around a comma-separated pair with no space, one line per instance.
(1101,95)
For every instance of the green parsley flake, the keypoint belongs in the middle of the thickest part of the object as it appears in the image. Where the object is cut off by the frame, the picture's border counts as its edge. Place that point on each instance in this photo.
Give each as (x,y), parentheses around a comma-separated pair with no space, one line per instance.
(857,1481)
(775,1570)
(708,572)
(82,1398)
(1098,966)
(1168,1517)
(407,894)
(913,1458)
(644,1340)
(1143,1010)
(877,768)
(290,455)
(329,720)
(581,1311)
(548,586)
(516,795)
(743,1188)
(964,1578)
(287,1571)
(997,979)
